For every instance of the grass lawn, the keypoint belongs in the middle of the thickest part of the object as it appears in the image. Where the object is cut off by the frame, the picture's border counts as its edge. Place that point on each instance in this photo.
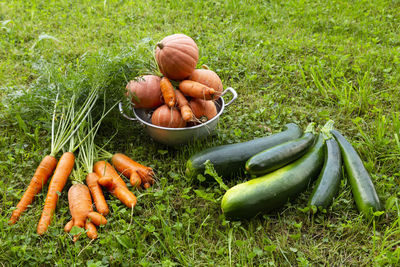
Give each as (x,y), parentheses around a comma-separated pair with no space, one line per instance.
(290,61)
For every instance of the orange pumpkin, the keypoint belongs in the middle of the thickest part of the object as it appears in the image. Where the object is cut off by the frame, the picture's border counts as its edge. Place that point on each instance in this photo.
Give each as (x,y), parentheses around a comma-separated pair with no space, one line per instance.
(207,77)
(177,56)
(165,116)
(203,110)
(145,92)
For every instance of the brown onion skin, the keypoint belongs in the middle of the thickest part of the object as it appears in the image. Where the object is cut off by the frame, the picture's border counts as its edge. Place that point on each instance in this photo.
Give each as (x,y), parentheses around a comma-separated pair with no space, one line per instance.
(147,90)
(204,110)
(177,56)
(165,116)
(207,77)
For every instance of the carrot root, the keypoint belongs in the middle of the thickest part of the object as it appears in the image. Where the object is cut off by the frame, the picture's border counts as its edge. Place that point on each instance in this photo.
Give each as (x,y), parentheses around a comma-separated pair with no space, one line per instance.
(118,187)
(80,206)
(183,104)
(105,171)
(91,230)
(127,167)
(167,91)
(97,193)
(135,179)
(68,226)
(57,183)
(187,113)
(39,179)
(126,196)
(97,218)
(197,90)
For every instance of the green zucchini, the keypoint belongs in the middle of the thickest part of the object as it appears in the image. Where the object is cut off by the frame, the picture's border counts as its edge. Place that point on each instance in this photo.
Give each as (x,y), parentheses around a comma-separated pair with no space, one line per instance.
(328,182)
(280,155)
(367,201)
(272,191)
(229,160)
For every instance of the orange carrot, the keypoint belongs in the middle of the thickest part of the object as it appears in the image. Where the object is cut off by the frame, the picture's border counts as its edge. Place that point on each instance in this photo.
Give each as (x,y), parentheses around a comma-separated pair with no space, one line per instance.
(187,113)
(97,193)
(57,183)
(105,181)
(42,174)
(181,99)
(129,167)
(68,226)
(197,90)
(80,207)
(135,179)
(105,171)
(80,203)
(167,91)
(91,230)
(117,187)
(183,104)
(124,195)
(97,218)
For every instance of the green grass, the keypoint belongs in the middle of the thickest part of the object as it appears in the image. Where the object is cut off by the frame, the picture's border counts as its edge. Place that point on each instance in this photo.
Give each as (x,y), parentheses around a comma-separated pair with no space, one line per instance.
(290,61)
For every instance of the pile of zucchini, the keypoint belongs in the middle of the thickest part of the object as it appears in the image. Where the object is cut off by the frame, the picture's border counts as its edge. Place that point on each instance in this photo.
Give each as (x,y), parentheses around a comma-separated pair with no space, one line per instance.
(285,164)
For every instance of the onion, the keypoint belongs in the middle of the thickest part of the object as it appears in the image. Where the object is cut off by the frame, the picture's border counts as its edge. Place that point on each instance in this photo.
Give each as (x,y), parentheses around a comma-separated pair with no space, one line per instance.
(204,110)
(145,92)
(165,116)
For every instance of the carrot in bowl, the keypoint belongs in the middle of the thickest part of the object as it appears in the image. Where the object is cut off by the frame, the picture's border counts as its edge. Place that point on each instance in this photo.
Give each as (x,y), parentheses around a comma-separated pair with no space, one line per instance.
(167,90)
(183,104)
(197,90)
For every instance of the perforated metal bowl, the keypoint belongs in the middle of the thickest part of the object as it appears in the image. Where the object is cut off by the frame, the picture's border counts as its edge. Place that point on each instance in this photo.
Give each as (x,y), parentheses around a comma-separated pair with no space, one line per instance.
(179,136)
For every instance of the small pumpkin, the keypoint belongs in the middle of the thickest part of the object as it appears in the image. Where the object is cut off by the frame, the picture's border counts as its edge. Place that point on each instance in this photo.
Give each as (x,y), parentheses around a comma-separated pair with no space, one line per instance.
(145,92)
(165,116)
(203,110)
(177,56)
(207,77)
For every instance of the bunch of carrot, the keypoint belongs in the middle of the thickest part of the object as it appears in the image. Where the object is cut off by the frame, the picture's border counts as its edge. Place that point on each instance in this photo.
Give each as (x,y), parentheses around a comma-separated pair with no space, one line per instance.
(100,174)
(69,125)
(104,174)
(80,196)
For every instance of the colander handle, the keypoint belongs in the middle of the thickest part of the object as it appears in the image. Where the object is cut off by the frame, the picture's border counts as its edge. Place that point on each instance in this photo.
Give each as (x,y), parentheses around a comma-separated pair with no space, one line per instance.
(123,113)
(234,95)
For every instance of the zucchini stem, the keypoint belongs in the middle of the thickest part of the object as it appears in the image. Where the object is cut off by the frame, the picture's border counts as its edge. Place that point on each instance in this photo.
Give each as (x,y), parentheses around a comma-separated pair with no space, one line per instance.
(326,130)
(310,128)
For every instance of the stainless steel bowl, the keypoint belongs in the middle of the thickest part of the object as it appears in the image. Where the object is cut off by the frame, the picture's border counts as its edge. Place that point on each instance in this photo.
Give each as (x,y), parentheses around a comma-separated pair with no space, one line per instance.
(179,136)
